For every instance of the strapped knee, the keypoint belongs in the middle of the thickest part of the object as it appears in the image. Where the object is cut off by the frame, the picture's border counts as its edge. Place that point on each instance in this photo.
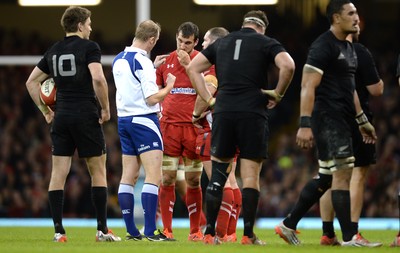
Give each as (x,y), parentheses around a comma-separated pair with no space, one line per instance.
(170,163)
(345,163)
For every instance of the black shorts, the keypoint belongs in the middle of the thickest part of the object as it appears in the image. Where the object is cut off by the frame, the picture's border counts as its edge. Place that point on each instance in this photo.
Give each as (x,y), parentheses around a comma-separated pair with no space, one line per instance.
(333,134)
(365,154)
(81,132)
(247,132)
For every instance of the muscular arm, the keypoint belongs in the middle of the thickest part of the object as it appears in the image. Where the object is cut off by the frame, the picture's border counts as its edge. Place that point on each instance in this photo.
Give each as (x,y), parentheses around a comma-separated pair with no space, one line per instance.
(196,67)
(101,89)
(310,81)
(286,67)
(376,89)
(160,95)
(33,85)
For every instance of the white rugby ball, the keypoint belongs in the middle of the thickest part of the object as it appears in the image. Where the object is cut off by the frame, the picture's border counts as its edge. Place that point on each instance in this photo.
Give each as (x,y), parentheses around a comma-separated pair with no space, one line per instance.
(48,92)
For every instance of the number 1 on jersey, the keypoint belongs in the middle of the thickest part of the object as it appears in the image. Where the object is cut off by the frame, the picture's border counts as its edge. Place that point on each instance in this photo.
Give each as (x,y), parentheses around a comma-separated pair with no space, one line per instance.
(237,50)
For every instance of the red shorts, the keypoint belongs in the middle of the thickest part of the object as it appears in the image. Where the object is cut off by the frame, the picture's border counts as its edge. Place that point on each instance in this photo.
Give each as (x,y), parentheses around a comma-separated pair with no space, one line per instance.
(179,140)
(203,144)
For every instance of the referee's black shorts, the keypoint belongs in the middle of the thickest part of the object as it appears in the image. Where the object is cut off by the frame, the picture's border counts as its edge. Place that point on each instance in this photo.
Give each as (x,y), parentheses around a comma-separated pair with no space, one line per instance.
(247,132)
(82,132)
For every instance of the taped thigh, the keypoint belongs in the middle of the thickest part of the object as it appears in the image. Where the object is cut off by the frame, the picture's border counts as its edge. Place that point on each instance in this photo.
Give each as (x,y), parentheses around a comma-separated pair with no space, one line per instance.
(345,163)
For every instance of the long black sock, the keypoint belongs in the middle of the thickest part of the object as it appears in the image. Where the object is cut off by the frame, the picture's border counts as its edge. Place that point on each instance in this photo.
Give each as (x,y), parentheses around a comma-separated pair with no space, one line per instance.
(250,199)
(99,199)
(354,227)
(341,204)
(328,229)
(56,201)
(214,194)
(310,195)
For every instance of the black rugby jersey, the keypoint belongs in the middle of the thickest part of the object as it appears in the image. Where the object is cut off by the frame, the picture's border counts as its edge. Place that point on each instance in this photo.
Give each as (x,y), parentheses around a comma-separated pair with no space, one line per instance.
(366,74)
(338,60)
(241,60)
(67,62)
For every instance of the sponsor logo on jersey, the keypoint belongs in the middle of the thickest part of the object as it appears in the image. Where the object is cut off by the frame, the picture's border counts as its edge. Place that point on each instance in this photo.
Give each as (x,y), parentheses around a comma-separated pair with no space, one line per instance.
(189,91)
(170,66)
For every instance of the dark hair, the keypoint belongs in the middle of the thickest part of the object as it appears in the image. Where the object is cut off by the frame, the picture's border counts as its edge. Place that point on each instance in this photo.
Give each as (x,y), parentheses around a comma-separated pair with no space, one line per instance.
(217,33)
(188,29)
(255,17)
(72,16)
(335,7)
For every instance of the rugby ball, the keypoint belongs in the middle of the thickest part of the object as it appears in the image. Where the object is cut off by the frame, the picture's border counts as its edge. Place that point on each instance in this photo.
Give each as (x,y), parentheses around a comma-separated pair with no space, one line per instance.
(48,92)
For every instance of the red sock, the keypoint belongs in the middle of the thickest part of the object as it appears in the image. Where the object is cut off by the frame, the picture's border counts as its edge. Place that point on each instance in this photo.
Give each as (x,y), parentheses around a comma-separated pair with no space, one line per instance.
(167,201)
(224,212)
(203,219)
(237,207)
(194,206)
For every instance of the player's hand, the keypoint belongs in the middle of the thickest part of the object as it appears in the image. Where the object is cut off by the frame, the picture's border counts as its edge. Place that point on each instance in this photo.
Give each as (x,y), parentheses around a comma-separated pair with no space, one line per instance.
(273,98)
(305,138)
(160,59)
(170,80)
(49,116)
(368,133)
(105,116)
(183,58)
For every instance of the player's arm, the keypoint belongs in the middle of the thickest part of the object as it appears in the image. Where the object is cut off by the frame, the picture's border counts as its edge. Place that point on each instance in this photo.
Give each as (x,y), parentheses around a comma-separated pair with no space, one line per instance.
(366,128)
(196,67)
(33,85)
(311,79)
(101,89)
(160,95)
(286,67)
(376,89)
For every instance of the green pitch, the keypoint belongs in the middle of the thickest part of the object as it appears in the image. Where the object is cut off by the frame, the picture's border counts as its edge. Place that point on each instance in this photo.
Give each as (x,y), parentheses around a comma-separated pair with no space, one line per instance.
(39,240)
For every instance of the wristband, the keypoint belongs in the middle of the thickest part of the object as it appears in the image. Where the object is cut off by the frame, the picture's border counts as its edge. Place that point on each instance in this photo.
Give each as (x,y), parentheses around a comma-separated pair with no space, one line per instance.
(211,102)
(361,118)
(43,108)
(305,122)
(279,95)
(195,116)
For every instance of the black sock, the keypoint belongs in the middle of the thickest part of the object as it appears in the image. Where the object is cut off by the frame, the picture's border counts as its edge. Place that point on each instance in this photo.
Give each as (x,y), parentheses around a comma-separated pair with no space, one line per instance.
(328,229)
(354,228)
(99,199)
(250,199)
(310,195)
(56,201)
(214,194)
(341,204)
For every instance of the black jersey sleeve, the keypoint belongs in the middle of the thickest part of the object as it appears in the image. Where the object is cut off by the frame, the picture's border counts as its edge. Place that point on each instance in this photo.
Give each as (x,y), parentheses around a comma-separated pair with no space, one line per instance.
(93,52)
(366,70)
(320,54)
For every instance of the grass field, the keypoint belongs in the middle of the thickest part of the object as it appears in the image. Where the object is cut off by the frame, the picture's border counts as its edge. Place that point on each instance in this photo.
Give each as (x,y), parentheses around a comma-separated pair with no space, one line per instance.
(82,239)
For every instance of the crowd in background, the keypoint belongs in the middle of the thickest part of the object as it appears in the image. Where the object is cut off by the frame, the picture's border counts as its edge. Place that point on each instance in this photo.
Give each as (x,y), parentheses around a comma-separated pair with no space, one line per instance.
(25,145)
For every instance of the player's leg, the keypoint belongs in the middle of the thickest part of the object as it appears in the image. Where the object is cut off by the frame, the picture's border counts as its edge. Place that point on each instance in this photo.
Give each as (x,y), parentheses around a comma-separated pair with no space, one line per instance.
(225,210)
(237,204)
(194,197)
(252,133)
(167,192)
(60,168)
(63,149)
(172,138)
(327,215)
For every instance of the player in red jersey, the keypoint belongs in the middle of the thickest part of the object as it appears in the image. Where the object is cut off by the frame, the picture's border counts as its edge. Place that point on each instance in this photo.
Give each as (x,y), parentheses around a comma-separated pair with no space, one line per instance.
(179,134)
